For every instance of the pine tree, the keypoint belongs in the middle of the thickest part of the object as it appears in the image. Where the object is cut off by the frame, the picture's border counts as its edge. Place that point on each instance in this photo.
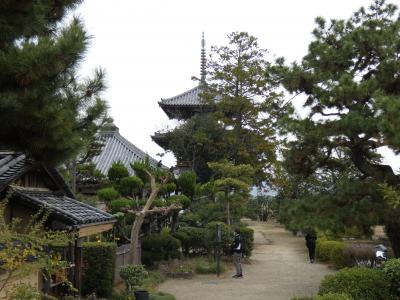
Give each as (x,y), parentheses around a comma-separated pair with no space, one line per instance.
(352,82)
(46,110)
(248,105)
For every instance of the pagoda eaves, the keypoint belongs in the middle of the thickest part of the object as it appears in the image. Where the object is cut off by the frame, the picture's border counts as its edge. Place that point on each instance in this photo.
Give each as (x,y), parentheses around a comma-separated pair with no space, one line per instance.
(185,105)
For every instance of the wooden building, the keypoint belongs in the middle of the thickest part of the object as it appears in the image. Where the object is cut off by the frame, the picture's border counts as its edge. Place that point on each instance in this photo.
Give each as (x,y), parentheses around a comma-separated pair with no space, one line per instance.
(30,187)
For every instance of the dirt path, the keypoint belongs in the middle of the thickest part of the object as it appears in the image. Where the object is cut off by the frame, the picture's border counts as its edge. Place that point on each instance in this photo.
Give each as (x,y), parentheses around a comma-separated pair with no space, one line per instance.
(279,270)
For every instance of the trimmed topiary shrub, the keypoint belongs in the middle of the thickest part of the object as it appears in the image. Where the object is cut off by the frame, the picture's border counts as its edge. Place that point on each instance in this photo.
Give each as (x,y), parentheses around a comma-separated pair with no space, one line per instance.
(248,235)
(128,186)
(226,237)
(392,274)
(190,219)
(187,183)
(333,296)
(180,200)
(159,246)
(359,283)
(192,239)
(107,194)
(120,204)
(133,277)
(117,171)
(98,268)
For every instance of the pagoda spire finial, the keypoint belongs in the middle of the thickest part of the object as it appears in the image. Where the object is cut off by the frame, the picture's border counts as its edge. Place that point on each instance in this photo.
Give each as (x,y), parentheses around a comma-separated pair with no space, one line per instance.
(203,60)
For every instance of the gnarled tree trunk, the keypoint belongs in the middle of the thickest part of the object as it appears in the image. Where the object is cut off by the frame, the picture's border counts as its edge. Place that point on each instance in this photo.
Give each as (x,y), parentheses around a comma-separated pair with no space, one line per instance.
(135,231)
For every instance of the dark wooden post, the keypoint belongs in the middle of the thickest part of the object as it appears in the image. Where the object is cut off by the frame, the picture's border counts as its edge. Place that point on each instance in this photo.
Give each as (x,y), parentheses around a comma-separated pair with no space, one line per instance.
(217,247)
(78,265)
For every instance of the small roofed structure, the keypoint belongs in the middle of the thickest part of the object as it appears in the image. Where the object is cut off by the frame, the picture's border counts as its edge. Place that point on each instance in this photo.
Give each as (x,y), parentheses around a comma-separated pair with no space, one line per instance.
(117,148)
(30,187)
(65,213)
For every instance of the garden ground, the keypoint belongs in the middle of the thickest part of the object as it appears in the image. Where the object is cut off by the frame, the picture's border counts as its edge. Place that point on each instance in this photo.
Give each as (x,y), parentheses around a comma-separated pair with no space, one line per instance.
(279,269)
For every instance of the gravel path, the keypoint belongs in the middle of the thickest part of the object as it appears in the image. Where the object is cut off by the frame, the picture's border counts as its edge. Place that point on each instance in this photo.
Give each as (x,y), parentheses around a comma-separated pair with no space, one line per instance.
(279,269)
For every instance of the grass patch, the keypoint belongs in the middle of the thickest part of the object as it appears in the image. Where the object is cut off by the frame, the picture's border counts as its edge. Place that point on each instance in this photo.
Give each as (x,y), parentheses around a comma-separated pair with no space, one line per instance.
(162,296)
(208,267)
(153,280)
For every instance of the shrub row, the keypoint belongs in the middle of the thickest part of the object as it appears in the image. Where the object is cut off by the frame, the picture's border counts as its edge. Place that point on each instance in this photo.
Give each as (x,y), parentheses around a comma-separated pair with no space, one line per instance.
(199,240)
(331,251)
(159,246)
(361,283)
(98,268)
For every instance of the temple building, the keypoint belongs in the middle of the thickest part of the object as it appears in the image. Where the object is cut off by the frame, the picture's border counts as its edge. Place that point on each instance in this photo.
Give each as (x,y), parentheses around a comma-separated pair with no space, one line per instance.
(185,105)
(117,148)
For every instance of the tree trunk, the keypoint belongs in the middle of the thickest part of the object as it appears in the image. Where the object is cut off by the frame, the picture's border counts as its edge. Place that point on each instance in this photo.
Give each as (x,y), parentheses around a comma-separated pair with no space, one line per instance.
(174,221)
(228,209)
(134,253)
(393,232)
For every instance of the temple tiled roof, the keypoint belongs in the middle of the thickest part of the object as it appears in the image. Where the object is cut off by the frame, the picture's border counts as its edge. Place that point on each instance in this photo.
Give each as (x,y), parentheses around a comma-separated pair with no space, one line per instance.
(188,98)
(71,210)
(117,148)
(12,165)
(185,105)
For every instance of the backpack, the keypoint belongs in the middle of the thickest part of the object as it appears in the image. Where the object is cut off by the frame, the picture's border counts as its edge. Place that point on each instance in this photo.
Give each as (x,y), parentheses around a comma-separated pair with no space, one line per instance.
(242,244)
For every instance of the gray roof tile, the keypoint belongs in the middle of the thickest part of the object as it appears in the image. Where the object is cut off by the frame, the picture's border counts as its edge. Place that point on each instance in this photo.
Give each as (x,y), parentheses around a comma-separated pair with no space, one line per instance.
(73,211)
(117,148)
(188,98)
(12,165)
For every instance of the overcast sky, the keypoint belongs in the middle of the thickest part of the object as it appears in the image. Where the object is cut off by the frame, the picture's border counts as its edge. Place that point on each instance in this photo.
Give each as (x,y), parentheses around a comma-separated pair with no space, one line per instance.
(151,49)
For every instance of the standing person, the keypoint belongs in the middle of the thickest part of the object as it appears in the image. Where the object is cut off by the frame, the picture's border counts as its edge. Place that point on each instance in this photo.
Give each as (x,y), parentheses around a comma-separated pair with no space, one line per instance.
(311,240)
(237,251)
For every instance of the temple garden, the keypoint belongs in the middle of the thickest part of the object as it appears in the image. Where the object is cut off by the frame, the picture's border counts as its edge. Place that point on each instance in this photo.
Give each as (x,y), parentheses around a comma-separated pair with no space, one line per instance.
(271,149)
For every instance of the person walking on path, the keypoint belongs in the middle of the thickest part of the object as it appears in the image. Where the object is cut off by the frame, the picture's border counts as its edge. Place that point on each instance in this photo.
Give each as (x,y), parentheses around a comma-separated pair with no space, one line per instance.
(311,240)
(237,251)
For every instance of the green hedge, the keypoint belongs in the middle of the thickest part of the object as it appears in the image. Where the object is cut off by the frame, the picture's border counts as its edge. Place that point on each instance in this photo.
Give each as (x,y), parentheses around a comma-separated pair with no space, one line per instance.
(98,268)
(392,274)
(158,247)
(331,251)
(359,283)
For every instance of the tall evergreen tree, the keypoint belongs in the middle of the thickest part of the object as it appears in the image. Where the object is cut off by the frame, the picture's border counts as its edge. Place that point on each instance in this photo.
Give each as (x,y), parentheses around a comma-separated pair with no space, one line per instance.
(198,141)
(45,108)
(351,76)
(248,106)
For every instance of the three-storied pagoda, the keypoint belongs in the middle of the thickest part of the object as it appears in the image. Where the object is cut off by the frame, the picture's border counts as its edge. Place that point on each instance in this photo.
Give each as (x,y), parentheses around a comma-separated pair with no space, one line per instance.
(185,105)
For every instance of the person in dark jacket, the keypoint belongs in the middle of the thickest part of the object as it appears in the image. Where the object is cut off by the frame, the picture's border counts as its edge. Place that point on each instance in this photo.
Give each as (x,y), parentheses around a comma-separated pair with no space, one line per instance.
(311,241)
(237,251)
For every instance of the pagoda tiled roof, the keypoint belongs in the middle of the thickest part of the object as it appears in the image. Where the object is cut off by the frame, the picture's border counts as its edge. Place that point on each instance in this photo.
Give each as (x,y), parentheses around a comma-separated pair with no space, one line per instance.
(117,148)
(188,98)
(74,212)
(185,105)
